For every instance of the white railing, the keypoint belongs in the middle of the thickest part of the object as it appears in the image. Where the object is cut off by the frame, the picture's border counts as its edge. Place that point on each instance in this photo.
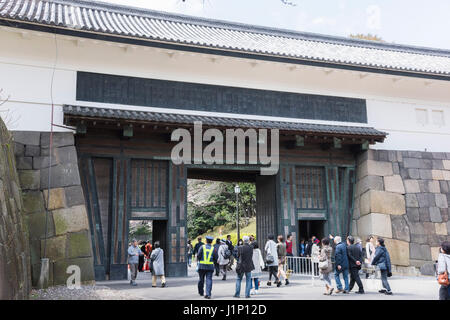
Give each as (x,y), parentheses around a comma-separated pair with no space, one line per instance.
(302,266)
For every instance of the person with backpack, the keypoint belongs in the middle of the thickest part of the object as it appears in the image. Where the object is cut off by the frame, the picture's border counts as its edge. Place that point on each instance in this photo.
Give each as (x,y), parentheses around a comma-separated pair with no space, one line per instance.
(383,261)
(223,258)
(197,246)
(281,251)
(271,259)
(231,248)
(443,271)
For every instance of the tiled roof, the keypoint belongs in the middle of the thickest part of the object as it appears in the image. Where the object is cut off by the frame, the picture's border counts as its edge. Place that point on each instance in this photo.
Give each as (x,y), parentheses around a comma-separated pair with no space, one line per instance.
(173,118)
(145,24)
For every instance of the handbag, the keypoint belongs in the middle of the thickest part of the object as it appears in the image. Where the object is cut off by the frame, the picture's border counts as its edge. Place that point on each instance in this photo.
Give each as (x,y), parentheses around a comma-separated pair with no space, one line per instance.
(323,264)
(269,258)
(443,279)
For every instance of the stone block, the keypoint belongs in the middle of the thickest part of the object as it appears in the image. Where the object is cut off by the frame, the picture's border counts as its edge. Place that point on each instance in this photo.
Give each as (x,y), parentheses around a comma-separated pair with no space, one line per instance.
(446,175)
(398,251)
(395,168)
(27,137)
(435,214)
(434,186)
(425,174)
(74,196)
(394,184)
(374,201)
(413,214)
(448,227)
(414,173)
(56,248)
(417,232)
(33,201)
(72,219)
(44,161)
(67,155)
(427,269)
(400,228)
(419,251)
(444,187)
(60,139)
(369,183)
(437,164)
(24,163)
(441,228)
(411,163)
(19,149)
(379,168)
(435,253)
(36,223)
(411,200)
(56,200)
(375,224)
(79,245)
(424,200)
(441,200)
(411,186)
(446,164)
(86,266)
(437,174)
(29,179)
(32,151)
(63,175)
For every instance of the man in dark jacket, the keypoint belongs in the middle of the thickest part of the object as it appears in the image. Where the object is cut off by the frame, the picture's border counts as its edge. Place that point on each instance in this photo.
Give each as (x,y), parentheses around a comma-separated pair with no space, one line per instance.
(206,258)
(355,260)
(197,246)
(231,248)
(341,264)
(244,254)
(216,251)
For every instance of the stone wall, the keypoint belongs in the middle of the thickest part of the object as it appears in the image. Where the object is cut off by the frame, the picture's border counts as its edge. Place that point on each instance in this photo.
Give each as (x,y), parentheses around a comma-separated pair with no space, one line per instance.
(404,197)
(68,241)
(15,280)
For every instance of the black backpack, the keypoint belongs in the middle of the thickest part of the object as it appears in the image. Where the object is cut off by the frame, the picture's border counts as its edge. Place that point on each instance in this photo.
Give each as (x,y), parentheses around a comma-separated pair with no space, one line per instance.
(226,254)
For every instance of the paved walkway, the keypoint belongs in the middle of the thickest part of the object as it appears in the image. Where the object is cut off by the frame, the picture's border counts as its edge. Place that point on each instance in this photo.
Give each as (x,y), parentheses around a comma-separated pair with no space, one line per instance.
(300,288)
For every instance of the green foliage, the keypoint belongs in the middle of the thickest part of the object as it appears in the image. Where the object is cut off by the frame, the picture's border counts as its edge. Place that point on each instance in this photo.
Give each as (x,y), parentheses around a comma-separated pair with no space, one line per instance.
(221,209)
(141,230)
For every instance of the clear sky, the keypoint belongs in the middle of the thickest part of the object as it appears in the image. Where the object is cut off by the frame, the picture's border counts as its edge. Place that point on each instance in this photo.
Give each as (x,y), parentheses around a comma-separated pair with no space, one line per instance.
(415,22)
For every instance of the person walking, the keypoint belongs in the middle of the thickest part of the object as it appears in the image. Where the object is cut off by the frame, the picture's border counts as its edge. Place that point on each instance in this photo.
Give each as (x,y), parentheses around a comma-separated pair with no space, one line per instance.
(383,261)
(271,259)
(258,263)
(341,265)
(281,251)
(370,253)
(190,251)
(134,252)
(326,266)
(206,257)
(315,252)
(197,246)
(354,255)
(231,248)
(443,267)
(301,248)
(223,258)
(157,264)
(216,250)
(289,252)
(141,256)
(245,267)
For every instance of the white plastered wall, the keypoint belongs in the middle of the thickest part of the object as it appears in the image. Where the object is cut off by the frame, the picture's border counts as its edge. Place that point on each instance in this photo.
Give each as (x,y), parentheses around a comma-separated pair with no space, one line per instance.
(27,61)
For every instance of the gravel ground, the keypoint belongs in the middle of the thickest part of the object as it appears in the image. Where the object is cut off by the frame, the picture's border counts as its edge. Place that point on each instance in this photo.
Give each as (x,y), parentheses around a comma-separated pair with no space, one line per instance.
(86,292)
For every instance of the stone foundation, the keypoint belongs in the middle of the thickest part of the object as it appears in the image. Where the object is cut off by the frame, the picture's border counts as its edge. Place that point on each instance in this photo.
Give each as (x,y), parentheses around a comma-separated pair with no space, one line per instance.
(403,196)
(15,280)
(68,241)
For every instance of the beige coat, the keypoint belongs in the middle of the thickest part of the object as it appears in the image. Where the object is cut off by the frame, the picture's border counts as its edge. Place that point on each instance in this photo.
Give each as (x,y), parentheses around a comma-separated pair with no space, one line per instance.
(325,254)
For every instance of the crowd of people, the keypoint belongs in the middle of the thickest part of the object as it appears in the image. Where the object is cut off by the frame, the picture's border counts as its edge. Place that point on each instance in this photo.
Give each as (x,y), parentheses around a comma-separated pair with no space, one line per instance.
(330,256)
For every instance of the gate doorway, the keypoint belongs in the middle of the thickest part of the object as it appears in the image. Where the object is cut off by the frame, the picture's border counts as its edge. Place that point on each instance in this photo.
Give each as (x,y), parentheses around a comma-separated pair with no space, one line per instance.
(309,228)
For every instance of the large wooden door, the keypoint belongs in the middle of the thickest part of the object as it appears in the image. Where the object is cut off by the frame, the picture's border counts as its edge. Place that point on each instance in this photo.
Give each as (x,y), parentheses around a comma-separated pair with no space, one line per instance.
(266,208)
